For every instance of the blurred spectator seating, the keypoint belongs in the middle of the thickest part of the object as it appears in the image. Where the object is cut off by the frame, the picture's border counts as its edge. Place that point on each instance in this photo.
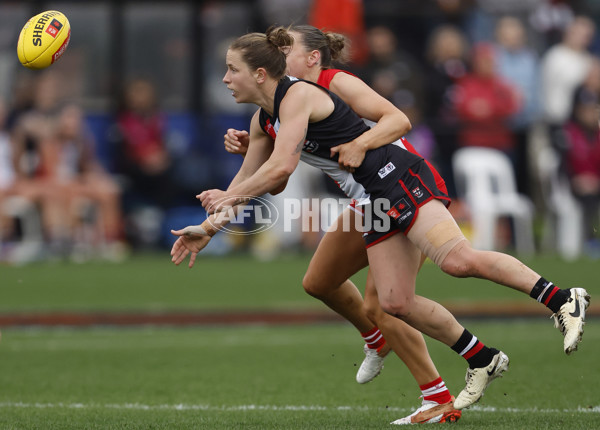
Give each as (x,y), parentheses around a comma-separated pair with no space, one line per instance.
(484,104)
(89,196)
(582,156)
(57,200)
(518,64)
(447,51)
(559,82)
(16,212)
(391,71)
(485,180)
(31,124)
(144,162)
(563,217)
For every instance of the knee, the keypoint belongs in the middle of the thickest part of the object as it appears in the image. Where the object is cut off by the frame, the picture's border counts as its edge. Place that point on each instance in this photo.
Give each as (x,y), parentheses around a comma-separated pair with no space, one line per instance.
(461,262)
(373,310)
(313,286)
(398,307)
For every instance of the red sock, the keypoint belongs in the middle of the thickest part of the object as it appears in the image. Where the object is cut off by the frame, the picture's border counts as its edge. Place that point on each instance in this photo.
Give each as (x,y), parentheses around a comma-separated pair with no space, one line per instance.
(436,391)
(374,339)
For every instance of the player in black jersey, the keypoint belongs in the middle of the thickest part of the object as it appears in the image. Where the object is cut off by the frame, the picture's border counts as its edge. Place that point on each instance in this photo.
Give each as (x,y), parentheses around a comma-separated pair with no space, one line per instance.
(255,74)
(341,252)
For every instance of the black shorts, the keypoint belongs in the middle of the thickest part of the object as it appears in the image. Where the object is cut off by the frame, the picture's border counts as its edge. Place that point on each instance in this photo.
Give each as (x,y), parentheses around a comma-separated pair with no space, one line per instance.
(395,202)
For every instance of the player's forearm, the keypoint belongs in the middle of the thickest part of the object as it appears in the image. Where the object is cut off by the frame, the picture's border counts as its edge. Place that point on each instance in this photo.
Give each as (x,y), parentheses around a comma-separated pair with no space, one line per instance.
(387,130)
(237,179)
(243,174)
(216,221)
(269,177)
(248,168)
(263,181)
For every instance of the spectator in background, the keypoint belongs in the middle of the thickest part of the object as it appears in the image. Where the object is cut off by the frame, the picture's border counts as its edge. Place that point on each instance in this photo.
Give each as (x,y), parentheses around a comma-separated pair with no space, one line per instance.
(564,67)
(420,135)
(21,235)
(518,65)
(7,174)
(143,156)
(391,71)
(484,103)
(31,128)
(447,53)
(582,135)
(144,161)
(21,98)
(87,194)
(550,18)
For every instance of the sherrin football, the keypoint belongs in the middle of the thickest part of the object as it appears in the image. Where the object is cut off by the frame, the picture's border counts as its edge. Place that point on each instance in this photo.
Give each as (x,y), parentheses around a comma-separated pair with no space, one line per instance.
(43,39)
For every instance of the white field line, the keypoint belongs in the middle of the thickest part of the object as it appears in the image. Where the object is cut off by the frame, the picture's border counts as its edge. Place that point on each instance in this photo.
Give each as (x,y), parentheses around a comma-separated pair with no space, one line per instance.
(184,407)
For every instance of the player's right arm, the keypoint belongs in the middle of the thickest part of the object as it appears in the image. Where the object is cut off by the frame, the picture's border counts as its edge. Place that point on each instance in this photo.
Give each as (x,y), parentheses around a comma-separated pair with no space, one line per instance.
(391,122)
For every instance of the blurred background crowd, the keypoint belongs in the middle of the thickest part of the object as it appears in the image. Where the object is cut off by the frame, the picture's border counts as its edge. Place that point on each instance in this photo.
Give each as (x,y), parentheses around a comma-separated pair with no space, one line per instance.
(104,152)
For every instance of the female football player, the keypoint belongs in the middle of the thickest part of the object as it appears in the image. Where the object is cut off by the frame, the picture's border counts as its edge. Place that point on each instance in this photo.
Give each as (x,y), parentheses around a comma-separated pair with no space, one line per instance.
(341,252)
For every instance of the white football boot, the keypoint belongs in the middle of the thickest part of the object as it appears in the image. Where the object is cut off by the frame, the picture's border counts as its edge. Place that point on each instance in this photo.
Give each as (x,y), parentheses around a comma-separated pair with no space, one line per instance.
(570,318)
(370,367)
(479,378)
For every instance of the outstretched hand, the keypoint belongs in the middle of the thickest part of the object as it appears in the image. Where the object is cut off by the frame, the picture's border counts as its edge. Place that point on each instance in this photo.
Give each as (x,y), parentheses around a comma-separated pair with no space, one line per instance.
(192,240)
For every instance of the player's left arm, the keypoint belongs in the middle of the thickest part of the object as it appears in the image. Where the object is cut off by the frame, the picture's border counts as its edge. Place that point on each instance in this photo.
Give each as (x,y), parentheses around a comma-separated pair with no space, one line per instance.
(262,147)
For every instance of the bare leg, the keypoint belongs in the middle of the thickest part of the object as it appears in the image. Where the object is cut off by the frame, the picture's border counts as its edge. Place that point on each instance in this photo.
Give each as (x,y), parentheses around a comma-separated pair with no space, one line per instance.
(438,236)
(395,284)
(436,233)
(340,254)
(464,261)
(407,343)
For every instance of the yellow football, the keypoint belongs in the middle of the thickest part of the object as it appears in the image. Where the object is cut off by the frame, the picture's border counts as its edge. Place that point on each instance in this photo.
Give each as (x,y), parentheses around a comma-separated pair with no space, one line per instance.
(43,39)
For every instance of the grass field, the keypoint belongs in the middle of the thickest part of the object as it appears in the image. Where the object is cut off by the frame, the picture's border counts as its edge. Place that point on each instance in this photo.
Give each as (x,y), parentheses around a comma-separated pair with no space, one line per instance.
(257,376)
(153,283)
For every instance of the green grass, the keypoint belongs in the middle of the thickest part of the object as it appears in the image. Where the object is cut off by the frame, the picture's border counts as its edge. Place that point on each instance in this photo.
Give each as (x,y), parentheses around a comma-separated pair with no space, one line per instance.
(153,283)
(263,377)
(289,377)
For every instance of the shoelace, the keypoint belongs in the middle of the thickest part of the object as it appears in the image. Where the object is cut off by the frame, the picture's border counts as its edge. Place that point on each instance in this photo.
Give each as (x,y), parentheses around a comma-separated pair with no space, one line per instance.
(559,317)
(469,380)
(559,321)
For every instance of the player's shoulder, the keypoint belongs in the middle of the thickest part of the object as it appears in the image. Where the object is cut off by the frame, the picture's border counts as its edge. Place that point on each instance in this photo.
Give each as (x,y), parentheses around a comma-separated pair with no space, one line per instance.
(345,81)
(328,75)
(302,88)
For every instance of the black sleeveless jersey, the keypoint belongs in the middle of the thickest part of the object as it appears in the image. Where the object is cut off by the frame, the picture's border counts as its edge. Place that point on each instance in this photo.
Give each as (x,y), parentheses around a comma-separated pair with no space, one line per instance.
(342,126)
